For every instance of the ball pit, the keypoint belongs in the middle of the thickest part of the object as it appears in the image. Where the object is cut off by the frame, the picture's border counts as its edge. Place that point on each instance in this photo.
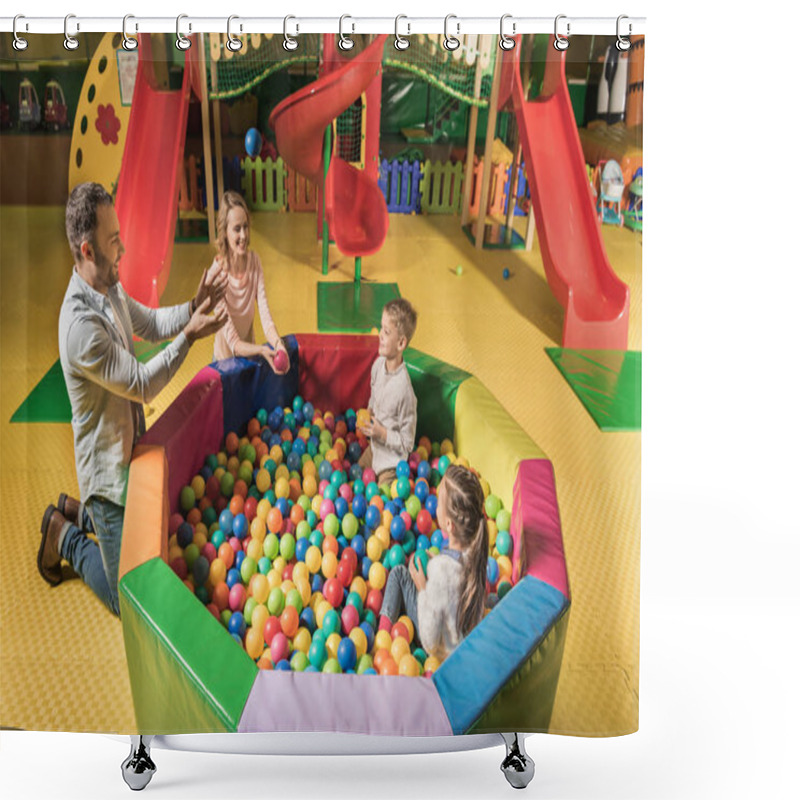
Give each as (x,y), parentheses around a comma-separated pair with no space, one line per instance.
(287,526)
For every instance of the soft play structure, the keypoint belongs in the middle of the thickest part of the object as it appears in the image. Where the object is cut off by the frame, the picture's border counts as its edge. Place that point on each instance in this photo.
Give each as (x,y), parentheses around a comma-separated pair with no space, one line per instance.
(594,299)
(354,204)
(187,673)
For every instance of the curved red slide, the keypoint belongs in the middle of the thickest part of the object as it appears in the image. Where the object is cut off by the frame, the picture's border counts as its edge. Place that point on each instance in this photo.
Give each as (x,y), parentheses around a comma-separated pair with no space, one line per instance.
(147,192)
(355,205)
(595,300)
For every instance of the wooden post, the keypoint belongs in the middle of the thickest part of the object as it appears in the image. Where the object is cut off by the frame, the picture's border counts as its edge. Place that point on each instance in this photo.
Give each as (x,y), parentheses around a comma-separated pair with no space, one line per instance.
(217,131)
(212,228)
(473,130)
(491,124)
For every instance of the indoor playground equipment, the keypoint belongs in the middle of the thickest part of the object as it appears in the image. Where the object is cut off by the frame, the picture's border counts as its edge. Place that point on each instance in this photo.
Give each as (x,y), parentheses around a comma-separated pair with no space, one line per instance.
(55,107)
(609,196)
(30,112)
(189,675)
(594,299)
(633,213)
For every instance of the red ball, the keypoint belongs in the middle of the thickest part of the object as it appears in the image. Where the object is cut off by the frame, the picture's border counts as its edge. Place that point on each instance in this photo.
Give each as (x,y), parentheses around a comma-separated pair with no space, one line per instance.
(374,601)
(271,627)
(344,572)
(279,648)
(281,361)
(214,611)
(175,521)
(220,504)
(287,572)
(212,488)
(424,521)
(333,591)
(180,567)
(399,629)
(349,555)
(250,508)
(406,517)
(350,619)
(209,551)
(385,624)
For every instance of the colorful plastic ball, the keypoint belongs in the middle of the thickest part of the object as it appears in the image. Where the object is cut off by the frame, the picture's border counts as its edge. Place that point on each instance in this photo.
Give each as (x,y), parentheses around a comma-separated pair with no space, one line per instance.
(187,498)
(349,526)
(237,624)
(409,666)
(281,362)
(377,578)
(397,529)
(276,601)
(437,539)
(346,654)
(372,517)
(403,488)
(317,653)
(279,647)
(403,470)
(421,559)
(492,505)
(290,621)
(185,534)
(492,571)
(399,629)
(332,666)
(200,570)
(287,546)
(350,619)
(504,543)
(240,526)
(431,505)
(397,556)
(331,623)
(503,588)
(503,519)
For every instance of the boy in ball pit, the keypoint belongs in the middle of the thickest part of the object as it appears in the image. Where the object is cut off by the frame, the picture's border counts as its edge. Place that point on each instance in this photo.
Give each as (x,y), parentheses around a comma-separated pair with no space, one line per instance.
(392,402)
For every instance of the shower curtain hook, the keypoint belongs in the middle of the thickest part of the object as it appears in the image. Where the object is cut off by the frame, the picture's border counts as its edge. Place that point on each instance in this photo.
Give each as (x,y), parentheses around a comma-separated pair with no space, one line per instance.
(623,42)
(289,42)
(345,42)
(400,42)
(70,42)
(450,42)
(234,43)
(19,42)
(506,42)
(128,42)
(561,42)
(182,43)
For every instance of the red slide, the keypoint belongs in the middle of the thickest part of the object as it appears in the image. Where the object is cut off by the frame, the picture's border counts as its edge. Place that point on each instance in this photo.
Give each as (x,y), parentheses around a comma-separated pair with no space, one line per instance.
(356,208)
(594,299)
(147,192)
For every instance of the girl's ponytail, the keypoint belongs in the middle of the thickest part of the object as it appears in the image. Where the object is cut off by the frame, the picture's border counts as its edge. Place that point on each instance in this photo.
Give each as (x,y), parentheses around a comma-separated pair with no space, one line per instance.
(473,582)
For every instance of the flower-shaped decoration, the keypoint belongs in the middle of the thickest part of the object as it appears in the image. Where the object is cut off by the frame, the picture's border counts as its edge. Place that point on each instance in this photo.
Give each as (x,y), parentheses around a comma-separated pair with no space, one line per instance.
(107,124)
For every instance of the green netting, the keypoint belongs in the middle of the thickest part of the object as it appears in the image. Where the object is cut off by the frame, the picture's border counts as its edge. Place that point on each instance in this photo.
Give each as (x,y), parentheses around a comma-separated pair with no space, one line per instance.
(453,73)
(348,133)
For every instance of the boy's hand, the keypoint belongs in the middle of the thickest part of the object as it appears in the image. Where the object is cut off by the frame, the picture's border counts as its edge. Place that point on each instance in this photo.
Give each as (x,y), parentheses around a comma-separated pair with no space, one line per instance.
(418,576)
(374,430)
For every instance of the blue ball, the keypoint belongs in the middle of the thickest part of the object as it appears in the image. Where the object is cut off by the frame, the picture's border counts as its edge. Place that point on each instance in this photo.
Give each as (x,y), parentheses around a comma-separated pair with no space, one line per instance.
(354,452)
(423,470)
(301,548)
(492,570)
(340,504)
(346,653)
(403,470)
(342,542)
(237,561)
(206,472)
(437,539)
(325,471)
(225,521)
(299,446)
(275,439)
(369,633)
(397,529)
(283,665)
(431,504)
(360,505)
(240,526)
(266,435)
(421,491)
(506,274)
(351,421)
(307,619)
(359,545)
(237,625)
(293,461)
(308,411)
(185,533)
(316,583)
(253,142)
(366,563)
(423,542)
(283,505)
(372,517)
(370,671)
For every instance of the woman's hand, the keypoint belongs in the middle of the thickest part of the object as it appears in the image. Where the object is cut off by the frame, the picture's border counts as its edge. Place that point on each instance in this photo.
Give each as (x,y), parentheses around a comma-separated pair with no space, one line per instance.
(269,355)
(417,575)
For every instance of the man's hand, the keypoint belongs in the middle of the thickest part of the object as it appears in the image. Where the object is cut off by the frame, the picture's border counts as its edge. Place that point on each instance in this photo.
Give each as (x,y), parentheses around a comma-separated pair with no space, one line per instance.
(204,322)
(213,284)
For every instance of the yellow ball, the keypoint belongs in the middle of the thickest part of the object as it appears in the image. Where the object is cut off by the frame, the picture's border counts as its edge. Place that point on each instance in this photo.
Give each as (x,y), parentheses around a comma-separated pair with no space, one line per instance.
(384,537)
(258,529)
(359,640)
(332,645)
(255,549)
(374,548)
(309,484)
(302,640)
(217,571)
(281,487)
(491,530)
(199,539)
(332,455)
(431,664)
(281,472)
(262,509)
(329,564)
(287,587)
(409,626)
(263,480)
(172,542)
(487,490)
(447,447)
(316,598)
(254,643)
(399,649)
(377,576)
(316,503)
(408,666)
(222,460)
(260,616)
(383,641)
(276,454)
(273,579)
(309,470)
(279,564)
(233,465)
(386,520)
(175,551)
(304,587)
(323,607)
(313,559)
(359,586)
(299,572)
(393,490)
(505,567)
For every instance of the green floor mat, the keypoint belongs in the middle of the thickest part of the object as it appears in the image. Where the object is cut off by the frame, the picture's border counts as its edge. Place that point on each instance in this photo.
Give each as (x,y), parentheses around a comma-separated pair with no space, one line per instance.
(607,382)
(352,307)
(49,402)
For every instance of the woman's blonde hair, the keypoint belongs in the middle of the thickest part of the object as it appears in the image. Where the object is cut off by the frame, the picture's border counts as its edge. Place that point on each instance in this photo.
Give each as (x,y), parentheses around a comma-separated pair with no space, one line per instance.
(230,200)
(464,505)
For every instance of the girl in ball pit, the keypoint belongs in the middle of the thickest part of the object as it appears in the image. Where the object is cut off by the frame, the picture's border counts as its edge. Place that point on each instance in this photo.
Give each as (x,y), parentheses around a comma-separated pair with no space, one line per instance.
(245,289)
(445,604)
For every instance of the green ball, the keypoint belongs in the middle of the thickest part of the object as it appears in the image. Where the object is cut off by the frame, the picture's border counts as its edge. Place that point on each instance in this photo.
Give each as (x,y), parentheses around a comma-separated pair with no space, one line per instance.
(303,530)
(226,484)
(349,525)
(209,516)
(304,502)
(316,537)
(270,466)
(188,499)
(331,666)
(403,488)
(250,453)
(354,599)
(503,519)
(245,474)
(191,554)
(331,525)
(201,593)
(492,505)
(331,623)
(363,664)
(212,462)
(444,463)
(299,661)
(420,655)
(271,546)
(397,556)
(321,450)
(294,598)
(225,617)
(326,436)
(248,569)
(264,565)
(287,546)
(261,416)
(276,602)
(503,589)
(249,606)
(319,637)
(413,506)
(317,653)
(421,559)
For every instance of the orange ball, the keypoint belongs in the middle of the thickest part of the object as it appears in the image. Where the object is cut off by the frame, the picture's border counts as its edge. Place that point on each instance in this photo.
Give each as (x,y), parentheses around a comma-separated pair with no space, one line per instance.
(240,488)
(330,545)
(297,515)
(379,658)
(194,516)
(408,666)
(232,443)
(295,490)
(227,555)
(274,520)
(389,667)
(253,428)
(290,621)
(237,504)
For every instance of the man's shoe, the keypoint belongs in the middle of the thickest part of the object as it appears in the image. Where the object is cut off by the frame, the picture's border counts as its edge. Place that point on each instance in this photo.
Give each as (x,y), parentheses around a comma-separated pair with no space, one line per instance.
(69,507)
(49,559)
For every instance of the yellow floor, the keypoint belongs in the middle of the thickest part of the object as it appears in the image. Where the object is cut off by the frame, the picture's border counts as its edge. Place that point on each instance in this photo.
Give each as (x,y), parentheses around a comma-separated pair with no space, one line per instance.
(62,659)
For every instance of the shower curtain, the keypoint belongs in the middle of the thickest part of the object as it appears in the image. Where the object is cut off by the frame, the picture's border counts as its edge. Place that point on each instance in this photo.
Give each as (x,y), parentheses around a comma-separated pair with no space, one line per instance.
(438,284)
